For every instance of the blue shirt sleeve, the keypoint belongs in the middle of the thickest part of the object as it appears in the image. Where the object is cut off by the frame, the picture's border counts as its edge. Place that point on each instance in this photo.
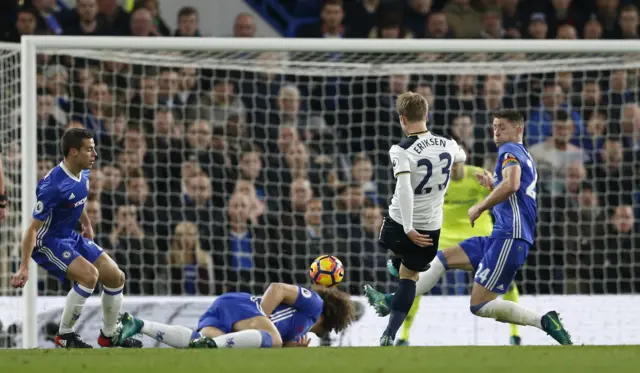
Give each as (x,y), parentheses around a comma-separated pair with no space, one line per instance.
(308,303)
(46,199)
(509,155)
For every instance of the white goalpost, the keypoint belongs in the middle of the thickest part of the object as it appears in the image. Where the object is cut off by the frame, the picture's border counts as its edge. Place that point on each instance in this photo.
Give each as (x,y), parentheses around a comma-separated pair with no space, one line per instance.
(343,89)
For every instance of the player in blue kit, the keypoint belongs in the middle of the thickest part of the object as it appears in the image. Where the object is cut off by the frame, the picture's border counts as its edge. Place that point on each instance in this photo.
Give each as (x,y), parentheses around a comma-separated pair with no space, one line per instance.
(280,318)
(52,242)
(496,259)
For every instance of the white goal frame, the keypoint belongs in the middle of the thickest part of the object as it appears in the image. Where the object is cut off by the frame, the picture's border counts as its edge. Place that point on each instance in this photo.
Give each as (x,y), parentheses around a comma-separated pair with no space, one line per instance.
(31,45)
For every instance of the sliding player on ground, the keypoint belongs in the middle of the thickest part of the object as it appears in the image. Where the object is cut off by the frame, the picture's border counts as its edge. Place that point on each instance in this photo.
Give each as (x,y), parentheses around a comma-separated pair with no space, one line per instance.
(422,164)
(464,192)
(53,243)
(280,318)
(496,259)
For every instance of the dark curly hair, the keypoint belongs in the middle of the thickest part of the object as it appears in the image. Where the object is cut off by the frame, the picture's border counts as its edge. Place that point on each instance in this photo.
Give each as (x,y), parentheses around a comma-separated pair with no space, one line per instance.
(338,310)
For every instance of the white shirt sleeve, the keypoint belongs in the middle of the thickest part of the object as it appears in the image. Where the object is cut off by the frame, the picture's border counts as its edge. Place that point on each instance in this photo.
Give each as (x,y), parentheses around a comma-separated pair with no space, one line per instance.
(459,155)
(399,160)
(404,191)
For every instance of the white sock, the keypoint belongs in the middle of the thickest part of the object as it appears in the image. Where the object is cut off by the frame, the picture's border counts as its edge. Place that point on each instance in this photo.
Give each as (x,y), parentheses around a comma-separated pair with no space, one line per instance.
(73,306)
(241,339)
(111,305)
(509,312)
(173,335)
(429,278)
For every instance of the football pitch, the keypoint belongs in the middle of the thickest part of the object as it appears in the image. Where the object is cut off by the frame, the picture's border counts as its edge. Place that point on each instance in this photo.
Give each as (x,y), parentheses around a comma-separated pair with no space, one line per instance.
(618,359)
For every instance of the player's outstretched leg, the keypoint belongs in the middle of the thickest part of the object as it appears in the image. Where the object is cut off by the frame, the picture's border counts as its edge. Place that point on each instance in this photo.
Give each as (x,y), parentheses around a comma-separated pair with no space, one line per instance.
(85,276)
(173,335)
(408,322)
(514,296)
(381,302)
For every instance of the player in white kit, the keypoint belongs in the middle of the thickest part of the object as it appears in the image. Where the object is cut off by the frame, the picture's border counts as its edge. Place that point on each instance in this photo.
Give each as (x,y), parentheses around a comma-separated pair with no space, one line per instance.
(422,165)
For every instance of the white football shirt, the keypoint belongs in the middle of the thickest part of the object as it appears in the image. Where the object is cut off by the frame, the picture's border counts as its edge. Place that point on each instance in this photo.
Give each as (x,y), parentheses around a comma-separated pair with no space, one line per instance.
(428,158)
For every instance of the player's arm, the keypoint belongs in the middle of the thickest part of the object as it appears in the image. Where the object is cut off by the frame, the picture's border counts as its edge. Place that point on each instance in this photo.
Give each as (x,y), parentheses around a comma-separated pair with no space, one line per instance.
(278,293)
(402,173)
(509,185)
(459,159)
(29,242)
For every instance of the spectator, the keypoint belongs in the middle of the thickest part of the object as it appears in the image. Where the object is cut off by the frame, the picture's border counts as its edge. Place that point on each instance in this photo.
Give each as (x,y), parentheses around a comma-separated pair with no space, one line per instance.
(361,16)
(256,205)
(188,22)
(26,24)
(362,173)
(629,22)
(621,244)
(251,169)
(191,268)
(142,23)
(347,208)
(153,6)
(464,20)
(616,97)
(539,126)
(44,166)
(330,24)
(57,82)
(113,17)
(560,14)
(96,185)
(367,260)
(538,28)
(594,136)
(47,22)
(415,16)
(512,17)
(492,25)
(567,32)
(607,15)
(592,30)
(48,126)
(614,180)
(244,26)
(87,19)
(390,26)
(438,26)
(134,252)
(93,117)
(94,211)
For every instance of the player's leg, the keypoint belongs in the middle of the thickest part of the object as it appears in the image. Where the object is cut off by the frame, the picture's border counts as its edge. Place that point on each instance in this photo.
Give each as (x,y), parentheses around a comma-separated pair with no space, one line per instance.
(514,296)
(496,271)
(465,256)
(173,335)
(85,277)
(408,322)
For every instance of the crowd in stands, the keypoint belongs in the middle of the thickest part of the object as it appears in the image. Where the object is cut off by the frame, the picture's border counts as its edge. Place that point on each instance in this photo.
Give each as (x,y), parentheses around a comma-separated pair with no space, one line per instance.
(215,180)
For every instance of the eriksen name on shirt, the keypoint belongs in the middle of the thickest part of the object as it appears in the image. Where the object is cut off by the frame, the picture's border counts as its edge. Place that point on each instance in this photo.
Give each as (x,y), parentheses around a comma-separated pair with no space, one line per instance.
(429,141)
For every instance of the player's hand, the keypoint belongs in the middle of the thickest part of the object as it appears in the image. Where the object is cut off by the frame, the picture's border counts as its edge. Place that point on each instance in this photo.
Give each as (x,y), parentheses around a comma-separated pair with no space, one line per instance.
(419,239)
(20,279)
(303,341)
(485,179)
(474,213)
(87,232)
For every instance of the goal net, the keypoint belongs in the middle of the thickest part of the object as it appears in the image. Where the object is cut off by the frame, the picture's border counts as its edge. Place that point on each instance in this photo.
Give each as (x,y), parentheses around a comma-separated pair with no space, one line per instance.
(225,170)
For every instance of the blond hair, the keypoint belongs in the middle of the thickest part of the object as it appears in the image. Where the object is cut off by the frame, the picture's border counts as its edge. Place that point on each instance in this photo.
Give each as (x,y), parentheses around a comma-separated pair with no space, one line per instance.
(412,106)
(179,255)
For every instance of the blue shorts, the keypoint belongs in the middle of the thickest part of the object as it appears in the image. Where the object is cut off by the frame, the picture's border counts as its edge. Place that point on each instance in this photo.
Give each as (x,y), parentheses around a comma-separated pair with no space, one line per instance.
(495,260)
(56,254)
(228,309)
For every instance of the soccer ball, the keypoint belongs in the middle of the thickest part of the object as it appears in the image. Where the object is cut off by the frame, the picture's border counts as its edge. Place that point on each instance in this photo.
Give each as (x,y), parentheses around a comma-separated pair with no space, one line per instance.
(326,270)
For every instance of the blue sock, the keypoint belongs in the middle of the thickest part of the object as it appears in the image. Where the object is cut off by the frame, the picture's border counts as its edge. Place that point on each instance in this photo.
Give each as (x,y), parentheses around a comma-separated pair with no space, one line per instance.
(267,341)
(400,305)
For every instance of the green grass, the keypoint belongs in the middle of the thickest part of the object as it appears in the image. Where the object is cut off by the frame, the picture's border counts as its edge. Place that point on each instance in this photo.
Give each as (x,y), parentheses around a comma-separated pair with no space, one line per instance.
(600,359)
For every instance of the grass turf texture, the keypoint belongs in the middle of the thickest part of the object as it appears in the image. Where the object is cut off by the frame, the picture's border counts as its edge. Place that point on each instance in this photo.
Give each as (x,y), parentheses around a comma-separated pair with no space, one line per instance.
(618,359)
